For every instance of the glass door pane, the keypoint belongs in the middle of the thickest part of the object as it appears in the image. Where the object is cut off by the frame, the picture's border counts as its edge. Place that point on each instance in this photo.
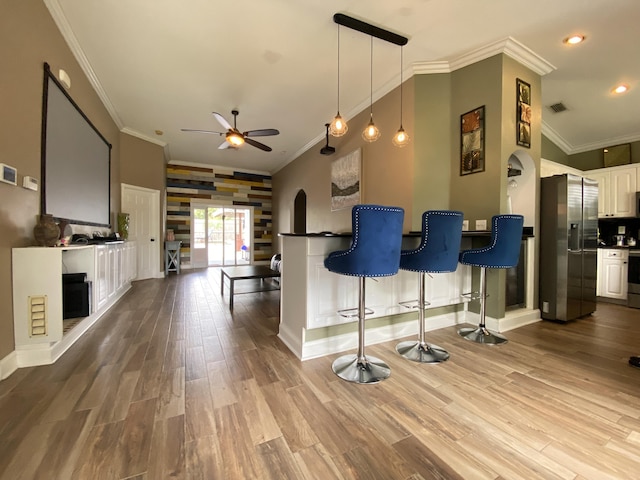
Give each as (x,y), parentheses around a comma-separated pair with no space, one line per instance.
(215,235)
(198,237)
(229,236)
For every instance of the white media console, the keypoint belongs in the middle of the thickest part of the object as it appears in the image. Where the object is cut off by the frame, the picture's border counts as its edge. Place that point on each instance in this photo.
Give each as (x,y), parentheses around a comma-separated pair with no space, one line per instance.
(39,332)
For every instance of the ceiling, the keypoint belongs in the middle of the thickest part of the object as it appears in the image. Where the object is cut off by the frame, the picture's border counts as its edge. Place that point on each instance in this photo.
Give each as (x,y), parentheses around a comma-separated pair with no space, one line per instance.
(166,65)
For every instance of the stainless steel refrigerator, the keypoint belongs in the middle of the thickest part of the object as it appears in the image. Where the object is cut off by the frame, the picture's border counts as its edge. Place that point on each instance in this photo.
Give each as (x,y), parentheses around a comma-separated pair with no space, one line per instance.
(568,247)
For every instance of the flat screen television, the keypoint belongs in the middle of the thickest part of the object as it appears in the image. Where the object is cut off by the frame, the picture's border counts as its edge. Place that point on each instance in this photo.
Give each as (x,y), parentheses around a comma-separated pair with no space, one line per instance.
(76,160)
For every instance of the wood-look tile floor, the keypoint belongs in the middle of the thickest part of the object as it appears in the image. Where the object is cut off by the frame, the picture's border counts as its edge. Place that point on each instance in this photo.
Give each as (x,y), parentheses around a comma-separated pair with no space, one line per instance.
(170,384)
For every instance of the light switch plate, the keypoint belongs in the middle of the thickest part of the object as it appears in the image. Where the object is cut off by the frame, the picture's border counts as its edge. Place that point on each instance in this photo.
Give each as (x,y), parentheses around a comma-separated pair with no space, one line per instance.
(621,230)
(481,224)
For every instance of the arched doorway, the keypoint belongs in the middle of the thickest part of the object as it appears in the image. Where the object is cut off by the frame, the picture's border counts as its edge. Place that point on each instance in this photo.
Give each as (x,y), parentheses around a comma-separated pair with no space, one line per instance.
(300,213)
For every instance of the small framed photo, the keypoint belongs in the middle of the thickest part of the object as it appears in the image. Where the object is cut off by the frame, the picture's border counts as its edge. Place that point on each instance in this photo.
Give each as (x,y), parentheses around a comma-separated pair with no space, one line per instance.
(472,141)
(523,113)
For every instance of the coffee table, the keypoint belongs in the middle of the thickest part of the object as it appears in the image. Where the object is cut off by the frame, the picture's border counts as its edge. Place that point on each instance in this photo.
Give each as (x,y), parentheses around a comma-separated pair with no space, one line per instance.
(247,272)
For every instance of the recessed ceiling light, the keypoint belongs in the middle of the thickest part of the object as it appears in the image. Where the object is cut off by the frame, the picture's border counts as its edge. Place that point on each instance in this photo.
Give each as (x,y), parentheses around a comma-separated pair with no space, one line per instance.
(159,132)
(620,89)
(574,39)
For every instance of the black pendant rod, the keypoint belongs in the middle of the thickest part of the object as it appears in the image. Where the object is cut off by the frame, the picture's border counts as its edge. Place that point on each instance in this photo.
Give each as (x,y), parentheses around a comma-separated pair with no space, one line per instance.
(360,26)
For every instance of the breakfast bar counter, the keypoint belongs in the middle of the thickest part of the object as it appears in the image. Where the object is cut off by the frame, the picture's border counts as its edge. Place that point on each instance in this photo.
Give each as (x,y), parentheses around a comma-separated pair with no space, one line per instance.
(311,296)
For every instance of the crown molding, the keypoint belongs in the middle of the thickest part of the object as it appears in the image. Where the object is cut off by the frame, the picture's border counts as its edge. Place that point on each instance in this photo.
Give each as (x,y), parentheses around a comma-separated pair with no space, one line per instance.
(558,141)
(509,46)
(63,25)
(427,68)
(142,136)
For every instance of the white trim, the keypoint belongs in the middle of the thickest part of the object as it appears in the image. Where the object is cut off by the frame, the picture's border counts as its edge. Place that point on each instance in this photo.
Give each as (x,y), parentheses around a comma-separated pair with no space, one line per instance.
(8,365)
(142,136)
(61,21)
(509,46)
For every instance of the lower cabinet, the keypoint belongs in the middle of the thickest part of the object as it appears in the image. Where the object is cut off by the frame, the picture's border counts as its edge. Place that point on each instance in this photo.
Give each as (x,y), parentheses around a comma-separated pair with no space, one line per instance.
(40,333)
(613,266)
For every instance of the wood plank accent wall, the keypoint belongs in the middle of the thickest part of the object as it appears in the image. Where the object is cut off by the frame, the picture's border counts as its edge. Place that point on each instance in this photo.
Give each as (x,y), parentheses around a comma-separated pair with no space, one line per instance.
(223,187)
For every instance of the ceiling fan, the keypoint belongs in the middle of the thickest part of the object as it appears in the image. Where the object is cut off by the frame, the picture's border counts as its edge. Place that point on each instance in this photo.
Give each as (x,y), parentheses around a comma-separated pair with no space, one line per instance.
(233,137)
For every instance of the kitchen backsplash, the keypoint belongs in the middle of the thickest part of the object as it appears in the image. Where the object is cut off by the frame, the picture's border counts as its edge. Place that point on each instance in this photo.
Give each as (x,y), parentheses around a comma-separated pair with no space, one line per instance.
(610,228)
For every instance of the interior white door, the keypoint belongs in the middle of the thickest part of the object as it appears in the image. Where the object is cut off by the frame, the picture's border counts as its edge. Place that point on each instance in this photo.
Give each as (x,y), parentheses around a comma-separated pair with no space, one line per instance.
(143,206)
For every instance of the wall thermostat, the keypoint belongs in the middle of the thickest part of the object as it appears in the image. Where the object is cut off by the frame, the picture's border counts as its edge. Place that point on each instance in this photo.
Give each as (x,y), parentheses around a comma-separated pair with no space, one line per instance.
(8,174)
(30,183)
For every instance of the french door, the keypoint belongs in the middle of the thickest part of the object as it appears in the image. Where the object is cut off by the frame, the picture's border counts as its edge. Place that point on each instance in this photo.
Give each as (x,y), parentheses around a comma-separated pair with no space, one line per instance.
(220,235)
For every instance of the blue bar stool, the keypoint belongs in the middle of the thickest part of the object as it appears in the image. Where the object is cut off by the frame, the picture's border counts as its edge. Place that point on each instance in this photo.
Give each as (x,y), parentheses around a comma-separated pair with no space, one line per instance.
(374,252)
(438,253)
(503,252)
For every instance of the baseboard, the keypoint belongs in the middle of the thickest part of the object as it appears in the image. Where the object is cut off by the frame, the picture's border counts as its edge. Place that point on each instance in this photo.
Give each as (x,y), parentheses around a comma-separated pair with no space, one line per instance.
(511,320)
(8,365)
(47,353)
(349,341)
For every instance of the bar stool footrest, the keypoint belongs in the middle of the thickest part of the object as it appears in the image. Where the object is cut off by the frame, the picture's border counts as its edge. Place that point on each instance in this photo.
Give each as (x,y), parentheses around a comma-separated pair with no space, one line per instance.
(353,312)
(413,304)
(366,370)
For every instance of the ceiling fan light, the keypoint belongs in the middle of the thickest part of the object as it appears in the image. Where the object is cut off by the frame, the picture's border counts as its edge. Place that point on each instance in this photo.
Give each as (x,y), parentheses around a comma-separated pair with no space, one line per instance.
(371,132)
(401,138)
(338,126)
(234,139)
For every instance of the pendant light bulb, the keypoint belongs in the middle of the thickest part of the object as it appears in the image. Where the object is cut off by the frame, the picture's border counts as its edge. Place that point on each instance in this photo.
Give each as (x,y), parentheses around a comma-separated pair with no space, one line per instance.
(338,126)
(401,138)
(371,132)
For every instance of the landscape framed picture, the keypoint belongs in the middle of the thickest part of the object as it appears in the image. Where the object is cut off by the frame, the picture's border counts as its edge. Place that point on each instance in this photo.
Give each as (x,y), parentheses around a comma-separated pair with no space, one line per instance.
(472,141)
(523,113)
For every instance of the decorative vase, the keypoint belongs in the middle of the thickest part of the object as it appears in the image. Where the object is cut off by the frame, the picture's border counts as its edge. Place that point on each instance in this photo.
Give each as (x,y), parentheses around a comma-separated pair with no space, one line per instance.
(123,225)
(46,231)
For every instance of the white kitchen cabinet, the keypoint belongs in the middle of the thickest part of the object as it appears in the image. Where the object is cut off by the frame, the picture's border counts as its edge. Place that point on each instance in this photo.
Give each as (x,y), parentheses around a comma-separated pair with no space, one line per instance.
(612,273)
(616,190)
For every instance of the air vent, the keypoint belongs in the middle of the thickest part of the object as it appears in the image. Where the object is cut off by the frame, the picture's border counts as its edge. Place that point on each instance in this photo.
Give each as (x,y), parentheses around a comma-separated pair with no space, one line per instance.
(37,315)
(558,107)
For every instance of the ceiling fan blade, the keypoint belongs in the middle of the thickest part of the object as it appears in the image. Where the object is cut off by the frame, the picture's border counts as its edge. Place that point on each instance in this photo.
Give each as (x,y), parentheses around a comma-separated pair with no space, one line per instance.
(259,145)
(222,120)
(266,132)
(224,145)
(201,131)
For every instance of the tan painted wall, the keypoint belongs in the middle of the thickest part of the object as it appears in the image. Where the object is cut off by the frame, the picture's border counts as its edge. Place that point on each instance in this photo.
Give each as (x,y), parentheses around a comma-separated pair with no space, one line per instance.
(387,171)
(142,164)
(28,38)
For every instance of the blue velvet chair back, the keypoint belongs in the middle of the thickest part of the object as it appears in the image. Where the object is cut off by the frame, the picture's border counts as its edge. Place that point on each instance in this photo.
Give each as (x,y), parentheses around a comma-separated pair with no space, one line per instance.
(440,244)
(375,245)
(504,250)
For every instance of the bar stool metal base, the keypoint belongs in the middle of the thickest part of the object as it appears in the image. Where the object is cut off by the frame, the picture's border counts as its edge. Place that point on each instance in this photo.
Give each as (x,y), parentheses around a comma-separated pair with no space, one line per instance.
(422,352)
(482,335)
(366,370)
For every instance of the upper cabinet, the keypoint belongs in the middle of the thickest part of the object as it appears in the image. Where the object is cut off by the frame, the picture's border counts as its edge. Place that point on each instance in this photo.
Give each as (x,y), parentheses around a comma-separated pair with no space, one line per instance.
(617,187)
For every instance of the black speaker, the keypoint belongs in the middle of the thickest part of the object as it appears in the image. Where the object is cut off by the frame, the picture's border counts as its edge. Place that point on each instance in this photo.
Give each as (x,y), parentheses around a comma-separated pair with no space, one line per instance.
(76,294)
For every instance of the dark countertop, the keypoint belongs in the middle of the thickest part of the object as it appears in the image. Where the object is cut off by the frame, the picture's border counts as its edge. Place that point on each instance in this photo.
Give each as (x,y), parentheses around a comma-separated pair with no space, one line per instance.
(526,233)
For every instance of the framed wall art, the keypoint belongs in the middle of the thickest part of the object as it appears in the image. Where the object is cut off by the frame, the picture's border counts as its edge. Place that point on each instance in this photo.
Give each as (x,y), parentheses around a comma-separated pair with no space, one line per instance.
(345,181)
(472,141)
(523,113)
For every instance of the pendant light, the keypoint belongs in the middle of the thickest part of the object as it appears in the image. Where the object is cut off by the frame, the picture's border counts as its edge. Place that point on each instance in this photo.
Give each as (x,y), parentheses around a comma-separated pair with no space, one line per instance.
(401,138)
(338,126)
(371,132)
